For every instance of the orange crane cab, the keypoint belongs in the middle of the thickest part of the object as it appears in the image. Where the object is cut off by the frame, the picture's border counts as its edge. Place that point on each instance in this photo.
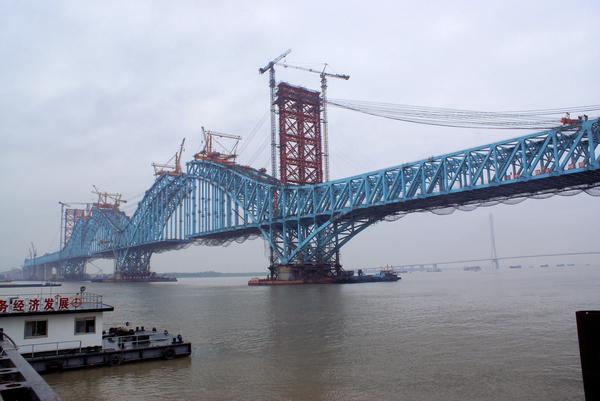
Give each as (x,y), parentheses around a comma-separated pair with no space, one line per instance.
(567,120)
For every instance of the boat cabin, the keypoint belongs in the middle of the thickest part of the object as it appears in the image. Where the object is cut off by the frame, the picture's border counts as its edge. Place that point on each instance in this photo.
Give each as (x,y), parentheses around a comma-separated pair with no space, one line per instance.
(52,322)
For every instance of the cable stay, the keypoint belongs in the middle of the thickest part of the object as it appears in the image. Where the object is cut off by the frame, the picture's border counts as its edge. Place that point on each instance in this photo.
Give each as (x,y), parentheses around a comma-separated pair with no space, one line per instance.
(463,118)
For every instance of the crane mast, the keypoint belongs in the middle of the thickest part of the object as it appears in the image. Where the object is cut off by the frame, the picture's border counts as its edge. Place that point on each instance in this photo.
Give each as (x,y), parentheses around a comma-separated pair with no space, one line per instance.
(324,76)
(271,68)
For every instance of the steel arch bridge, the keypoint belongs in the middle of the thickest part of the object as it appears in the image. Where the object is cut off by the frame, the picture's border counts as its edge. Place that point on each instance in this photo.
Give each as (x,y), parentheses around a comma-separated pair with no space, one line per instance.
(307,225)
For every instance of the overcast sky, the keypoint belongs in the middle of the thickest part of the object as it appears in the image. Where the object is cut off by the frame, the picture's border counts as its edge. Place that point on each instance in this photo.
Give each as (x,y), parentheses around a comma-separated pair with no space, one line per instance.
(93,92)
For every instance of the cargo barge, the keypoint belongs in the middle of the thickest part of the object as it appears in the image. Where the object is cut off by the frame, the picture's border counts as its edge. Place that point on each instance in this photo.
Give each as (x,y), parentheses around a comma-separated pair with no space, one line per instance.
(151,278)
(346,277)
(8,284)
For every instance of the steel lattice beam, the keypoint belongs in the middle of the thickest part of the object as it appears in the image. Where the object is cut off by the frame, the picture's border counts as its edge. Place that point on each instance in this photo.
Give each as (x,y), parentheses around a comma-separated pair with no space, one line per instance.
(214,204)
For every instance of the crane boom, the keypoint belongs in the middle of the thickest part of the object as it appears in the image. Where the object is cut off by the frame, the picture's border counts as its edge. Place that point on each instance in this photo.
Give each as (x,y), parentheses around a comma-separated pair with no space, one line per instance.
(322,73)
(272,63)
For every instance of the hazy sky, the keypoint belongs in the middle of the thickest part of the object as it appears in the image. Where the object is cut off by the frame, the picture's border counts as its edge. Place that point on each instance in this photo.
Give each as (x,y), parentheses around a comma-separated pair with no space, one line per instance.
(93,92)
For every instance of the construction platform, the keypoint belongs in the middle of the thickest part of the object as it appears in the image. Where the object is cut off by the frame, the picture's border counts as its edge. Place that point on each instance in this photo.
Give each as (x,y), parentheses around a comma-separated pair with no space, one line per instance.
(152,278)
(138,346)
(344,277)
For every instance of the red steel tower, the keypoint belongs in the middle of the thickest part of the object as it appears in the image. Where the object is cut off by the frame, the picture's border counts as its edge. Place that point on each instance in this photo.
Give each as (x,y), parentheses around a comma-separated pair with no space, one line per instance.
(300,153)
(71,218)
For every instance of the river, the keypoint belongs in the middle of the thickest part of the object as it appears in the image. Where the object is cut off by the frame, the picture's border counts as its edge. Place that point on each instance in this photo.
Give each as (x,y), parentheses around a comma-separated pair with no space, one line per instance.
(454,335)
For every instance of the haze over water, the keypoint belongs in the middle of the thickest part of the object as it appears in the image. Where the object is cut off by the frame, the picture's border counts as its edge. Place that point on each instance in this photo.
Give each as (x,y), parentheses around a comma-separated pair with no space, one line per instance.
(454,335)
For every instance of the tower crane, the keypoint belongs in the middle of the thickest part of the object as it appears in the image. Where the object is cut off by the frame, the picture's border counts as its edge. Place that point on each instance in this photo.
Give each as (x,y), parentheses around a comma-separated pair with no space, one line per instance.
(324,75)
(271,68)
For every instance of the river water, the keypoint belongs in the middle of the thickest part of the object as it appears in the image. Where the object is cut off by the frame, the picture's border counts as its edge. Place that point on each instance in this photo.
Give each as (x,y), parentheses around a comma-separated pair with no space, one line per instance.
(455,335)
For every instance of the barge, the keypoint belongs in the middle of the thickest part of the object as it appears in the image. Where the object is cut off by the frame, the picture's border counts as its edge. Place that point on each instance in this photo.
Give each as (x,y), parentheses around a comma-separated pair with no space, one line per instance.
(64,331)
(150,278)
(345,277)
(25,285)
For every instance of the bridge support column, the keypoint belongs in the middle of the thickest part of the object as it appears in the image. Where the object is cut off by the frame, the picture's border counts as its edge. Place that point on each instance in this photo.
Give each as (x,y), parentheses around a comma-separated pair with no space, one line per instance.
(132,265)
(310,251)
(309,273)
(72,270)
(38,273)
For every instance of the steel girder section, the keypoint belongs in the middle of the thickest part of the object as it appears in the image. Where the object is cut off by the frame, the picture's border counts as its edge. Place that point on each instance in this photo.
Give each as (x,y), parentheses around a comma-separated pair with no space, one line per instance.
(226,199)
(96,234)
(218,201)
(315,243)
(106,230)
(559,154)
(161,215)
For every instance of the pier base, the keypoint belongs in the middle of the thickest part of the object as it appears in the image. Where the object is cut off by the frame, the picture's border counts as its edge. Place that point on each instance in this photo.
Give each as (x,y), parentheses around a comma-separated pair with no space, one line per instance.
(308,273)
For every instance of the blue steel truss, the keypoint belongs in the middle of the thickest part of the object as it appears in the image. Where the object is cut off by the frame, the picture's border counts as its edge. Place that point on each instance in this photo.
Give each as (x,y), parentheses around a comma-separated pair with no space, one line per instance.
(214,204)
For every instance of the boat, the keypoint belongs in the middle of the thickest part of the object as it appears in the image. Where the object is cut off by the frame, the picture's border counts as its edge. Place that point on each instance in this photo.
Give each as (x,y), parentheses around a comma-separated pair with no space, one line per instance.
(380,277)
(345,277)
(255,281)
(151,278)
(515,266)
(65,331)
(25,285)
(472,268)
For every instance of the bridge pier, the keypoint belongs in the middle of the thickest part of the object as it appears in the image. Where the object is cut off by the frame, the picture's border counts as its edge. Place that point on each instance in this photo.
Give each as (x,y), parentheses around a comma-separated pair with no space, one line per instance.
(72,269)
(132,264)
(309,273)
(38,272)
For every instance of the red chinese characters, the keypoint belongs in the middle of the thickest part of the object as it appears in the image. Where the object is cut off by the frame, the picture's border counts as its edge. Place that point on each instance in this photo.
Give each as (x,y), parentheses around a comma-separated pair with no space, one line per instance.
(34,304)
(63,303)
(48,304)
(3,306)
(18,305)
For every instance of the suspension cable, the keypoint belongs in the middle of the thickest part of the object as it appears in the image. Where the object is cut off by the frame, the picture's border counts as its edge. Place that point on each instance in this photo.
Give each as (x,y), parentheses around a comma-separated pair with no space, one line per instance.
(463,118)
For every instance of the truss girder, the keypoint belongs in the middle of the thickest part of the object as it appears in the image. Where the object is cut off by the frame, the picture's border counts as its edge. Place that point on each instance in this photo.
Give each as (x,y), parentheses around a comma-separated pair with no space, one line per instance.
(214,202)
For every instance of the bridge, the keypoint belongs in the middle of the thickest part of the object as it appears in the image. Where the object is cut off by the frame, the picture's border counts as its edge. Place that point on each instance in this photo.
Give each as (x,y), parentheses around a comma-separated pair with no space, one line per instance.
(306,225)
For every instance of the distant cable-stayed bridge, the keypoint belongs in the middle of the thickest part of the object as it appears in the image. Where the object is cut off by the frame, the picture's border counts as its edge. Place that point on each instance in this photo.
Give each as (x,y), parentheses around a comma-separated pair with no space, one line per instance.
(306,225)
(488,259)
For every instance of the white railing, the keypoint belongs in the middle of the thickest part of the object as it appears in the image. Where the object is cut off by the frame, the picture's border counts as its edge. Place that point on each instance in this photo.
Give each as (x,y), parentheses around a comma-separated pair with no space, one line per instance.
(137,338)
(47,347)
